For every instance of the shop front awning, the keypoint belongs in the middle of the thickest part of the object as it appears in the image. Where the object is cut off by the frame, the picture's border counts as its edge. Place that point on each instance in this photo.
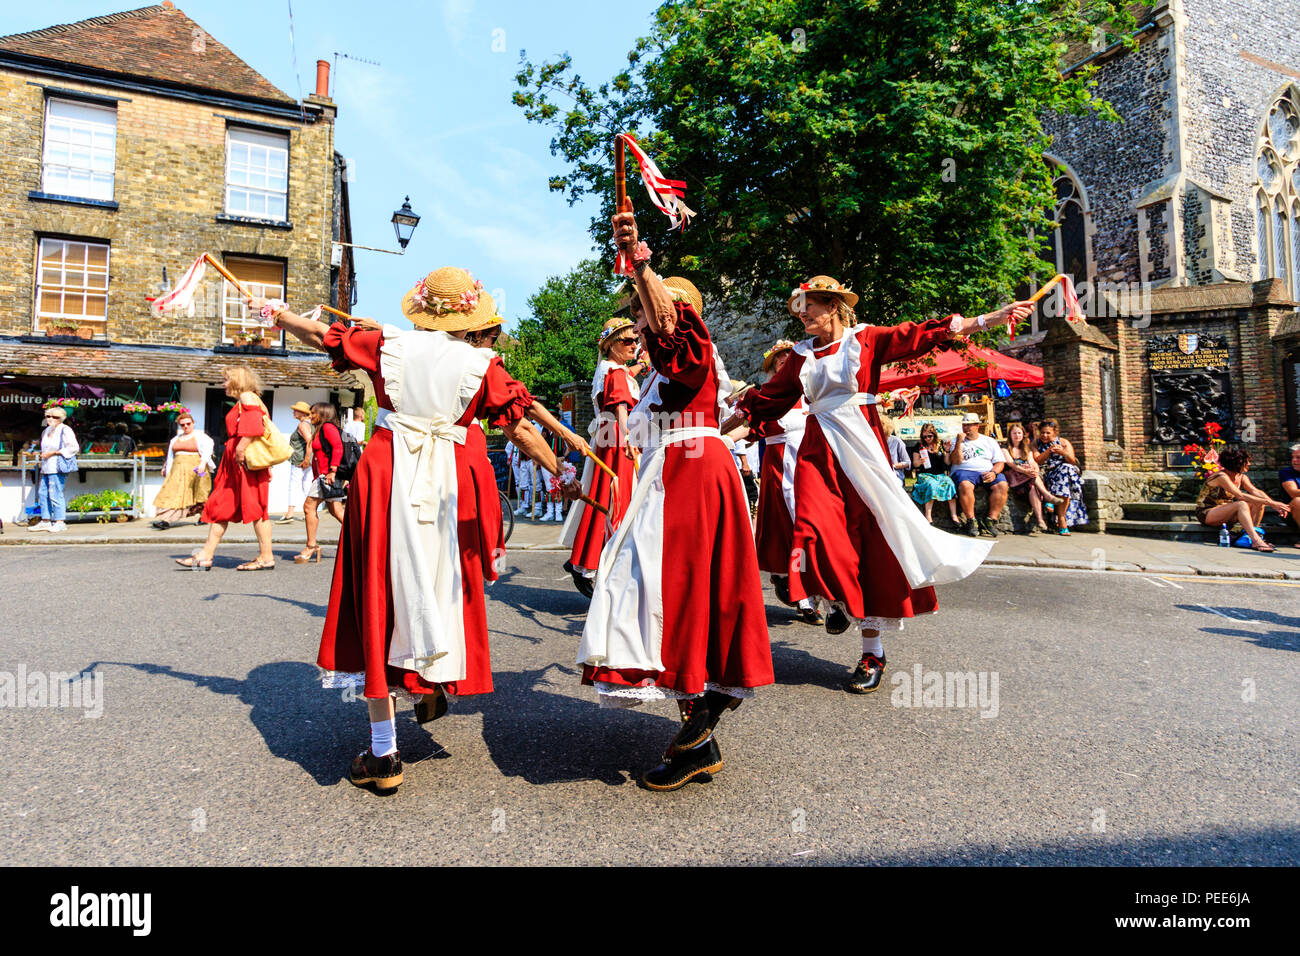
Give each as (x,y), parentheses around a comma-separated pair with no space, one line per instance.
(163,365)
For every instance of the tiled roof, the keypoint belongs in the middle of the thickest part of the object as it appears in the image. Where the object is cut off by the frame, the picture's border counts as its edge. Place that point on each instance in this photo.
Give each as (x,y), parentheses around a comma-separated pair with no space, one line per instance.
(164,365)
(157,43)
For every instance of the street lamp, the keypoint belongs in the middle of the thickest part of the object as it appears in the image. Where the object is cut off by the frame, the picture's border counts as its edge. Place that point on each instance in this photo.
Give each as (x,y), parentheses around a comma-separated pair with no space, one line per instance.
(404,223)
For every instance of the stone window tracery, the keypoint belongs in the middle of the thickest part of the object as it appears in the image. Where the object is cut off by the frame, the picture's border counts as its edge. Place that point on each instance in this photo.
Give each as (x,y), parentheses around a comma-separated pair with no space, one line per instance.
(1277,194)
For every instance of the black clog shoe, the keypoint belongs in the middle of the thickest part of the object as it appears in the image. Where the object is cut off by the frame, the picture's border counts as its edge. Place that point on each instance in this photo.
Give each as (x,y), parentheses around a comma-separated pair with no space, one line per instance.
(867,676)
(810,615)
(837,622)
(781,585)
(687,765)
(384,772)
(431,706)
(583,583)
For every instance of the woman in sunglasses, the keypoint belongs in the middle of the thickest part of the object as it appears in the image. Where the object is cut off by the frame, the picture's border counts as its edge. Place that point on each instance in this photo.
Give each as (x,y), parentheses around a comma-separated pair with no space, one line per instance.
(187,474)
(58,450)
(613,392)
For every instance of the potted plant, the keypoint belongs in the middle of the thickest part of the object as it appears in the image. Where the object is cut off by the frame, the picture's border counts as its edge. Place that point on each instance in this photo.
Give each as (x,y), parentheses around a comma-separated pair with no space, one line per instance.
(250,338)
(61,326)
(136,411)
(172,410)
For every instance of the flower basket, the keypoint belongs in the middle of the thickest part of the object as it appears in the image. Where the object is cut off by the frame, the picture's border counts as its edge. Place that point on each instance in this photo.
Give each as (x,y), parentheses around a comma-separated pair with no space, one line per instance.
(137,412)
(172,411)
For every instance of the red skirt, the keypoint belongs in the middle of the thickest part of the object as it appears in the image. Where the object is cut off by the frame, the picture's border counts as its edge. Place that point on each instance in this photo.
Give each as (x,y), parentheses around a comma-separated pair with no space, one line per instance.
(237,494)
(359,622)
(714,618)
(839,552)
(775,529)
(592,531)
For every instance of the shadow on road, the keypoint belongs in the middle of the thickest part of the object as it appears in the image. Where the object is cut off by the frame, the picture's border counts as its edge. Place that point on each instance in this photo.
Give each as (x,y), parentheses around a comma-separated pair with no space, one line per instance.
(546,737)
(1260,846)
(1276,640)
(314,728)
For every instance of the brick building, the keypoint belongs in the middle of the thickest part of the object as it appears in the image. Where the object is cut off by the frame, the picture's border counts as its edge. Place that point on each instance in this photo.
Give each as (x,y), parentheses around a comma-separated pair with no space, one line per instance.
(1191,206)
(130,144)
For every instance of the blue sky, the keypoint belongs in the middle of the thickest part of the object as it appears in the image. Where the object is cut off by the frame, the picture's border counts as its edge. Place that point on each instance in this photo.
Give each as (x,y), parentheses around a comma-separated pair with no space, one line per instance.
(433,120)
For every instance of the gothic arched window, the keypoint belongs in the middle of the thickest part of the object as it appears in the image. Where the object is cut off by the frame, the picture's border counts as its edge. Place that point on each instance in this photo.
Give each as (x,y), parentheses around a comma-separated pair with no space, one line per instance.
(1066,247)
(1277,195)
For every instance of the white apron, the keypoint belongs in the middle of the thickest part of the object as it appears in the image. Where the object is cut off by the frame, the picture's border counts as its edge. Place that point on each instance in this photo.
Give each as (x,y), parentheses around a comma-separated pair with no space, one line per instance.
(927,555)
(787,446)
(624,627)
(431,379)
(603,419)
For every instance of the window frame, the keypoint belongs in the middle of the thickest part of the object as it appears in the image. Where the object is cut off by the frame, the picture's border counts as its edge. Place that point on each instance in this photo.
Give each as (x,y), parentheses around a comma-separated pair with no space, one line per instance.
(46,186)
(264,133)
(230,294)
(97,322)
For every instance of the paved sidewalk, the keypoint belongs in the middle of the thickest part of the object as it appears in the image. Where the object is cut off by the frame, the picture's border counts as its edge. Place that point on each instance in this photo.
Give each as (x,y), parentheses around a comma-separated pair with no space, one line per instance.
(1079,551)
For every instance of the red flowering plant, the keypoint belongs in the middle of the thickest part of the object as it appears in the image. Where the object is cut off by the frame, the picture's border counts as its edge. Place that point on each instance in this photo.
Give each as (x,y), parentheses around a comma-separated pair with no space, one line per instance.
(1206,459)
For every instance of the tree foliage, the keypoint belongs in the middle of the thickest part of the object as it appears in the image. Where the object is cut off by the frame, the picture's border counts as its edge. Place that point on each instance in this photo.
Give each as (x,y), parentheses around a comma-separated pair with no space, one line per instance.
(556,344)
(895,146)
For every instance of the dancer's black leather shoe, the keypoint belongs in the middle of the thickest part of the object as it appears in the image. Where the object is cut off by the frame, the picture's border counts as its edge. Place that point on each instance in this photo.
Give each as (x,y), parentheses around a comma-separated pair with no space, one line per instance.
(811,616)
(837,622)
(384,772)
(687,765)
(580,581)
(781,585)
(431,706)
(718,704)
(867,676)
(696,727)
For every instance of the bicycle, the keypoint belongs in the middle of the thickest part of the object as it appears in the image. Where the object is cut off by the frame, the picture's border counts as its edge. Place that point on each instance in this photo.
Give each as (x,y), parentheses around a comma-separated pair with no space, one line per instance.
(507,516)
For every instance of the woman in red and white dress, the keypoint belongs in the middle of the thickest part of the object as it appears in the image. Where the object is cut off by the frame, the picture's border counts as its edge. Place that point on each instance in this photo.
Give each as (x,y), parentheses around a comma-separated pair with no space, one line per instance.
(406,612)
(858,541)
(614,391)
(775,527)
(677,611)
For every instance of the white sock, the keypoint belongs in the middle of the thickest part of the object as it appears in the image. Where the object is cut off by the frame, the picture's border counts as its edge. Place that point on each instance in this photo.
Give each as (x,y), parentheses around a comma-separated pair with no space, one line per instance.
(383,737)
(871,645)
(805,604)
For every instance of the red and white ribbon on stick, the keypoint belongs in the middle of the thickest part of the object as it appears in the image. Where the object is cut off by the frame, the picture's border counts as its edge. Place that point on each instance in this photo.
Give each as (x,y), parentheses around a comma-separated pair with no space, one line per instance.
(666,195)
(181,297)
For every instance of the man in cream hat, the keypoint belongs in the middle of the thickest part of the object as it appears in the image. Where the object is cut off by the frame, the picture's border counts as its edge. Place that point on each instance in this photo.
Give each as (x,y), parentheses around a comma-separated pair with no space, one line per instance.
(977,459)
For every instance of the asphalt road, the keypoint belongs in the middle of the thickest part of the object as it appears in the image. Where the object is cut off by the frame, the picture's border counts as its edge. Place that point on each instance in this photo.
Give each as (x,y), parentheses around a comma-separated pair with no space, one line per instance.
(1137,719)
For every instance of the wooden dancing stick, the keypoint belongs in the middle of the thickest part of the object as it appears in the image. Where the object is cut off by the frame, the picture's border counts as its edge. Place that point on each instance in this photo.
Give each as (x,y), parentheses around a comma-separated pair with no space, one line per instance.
(621,202)
(226,274)
(592,503)
(600,464)
(1045,289)
(341,314)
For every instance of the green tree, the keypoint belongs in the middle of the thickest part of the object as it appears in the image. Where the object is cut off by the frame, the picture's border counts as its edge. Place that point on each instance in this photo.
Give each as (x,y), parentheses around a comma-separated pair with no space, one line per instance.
(557,342)
(896,146)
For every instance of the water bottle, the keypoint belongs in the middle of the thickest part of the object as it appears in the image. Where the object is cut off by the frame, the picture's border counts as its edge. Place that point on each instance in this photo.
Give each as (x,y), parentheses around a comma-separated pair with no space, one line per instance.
(1224,538)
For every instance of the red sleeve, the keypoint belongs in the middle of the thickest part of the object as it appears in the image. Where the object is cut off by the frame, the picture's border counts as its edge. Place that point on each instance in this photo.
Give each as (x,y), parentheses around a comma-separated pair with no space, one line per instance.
(334,440)
(686,356)
(616,390)
(250,424)
(908,339)
(501,399)
(777,396)
(353,347)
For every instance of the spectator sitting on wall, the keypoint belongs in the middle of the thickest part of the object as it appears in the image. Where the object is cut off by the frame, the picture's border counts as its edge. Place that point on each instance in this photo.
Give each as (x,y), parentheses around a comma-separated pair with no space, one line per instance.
(1229,497)
(1289,476)
(899,459)
(977,459)
(1060,465)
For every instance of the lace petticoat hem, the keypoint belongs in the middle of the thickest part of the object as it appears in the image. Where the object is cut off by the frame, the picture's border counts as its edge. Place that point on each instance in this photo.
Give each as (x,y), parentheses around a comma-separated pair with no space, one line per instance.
(356,680)
(621,696)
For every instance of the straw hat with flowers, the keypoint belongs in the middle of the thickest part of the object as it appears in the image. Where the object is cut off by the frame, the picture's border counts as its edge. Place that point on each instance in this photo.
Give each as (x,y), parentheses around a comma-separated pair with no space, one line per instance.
(610,332)
(769,357)
(449,299)
(825,285)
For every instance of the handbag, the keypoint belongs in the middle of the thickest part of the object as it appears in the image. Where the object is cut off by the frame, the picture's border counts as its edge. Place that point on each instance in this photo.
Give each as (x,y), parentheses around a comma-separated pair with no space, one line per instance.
(270,449)
(64,465)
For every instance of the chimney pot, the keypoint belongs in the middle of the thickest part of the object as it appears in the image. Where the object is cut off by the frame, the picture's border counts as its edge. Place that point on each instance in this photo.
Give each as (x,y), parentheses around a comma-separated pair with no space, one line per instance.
(323,78)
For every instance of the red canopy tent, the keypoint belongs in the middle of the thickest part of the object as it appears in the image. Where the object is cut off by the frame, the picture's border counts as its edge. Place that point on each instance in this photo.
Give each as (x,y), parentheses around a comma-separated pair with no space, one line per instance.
(955,372)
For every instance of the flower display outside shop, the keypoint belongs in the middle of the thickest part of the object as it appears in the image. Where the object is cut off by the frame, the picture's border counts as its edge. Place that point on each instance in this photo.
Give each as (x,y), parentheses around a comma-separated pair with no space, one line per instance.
(136,408)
